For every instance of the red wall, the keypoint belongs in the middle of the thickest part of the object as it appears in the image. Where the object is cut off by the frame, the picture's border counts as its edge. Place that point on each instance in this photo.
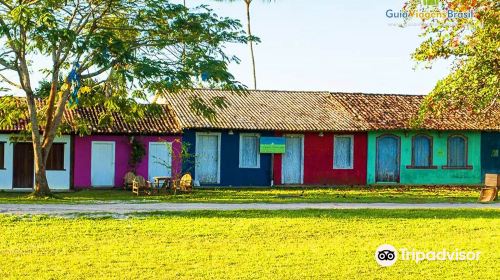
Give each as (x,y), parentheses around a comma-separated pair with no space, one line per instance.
(318,161)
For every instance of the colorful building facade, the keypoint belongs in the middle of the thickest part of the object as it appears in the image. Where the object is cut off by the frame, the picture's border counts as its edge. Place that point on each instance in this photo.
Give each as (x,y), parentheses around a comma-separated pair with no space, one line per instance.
(330,139)
(424,157)
(149,147)
(227,158)
(322,159)
(226,149)
(17,166)
(101,161)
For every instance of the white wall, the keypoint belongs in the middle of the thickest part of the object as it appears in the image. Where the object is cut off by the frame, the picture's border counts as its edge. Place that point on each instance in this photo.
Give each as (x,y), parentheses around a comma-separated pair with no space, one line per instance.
(6,174)
(58,179)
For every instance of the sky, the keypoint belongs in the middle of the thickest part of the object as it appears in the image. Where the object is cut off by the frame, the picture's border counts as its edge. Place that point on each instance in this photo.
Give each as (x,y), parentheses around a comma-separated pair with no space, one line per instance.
(325,45)
(330,45)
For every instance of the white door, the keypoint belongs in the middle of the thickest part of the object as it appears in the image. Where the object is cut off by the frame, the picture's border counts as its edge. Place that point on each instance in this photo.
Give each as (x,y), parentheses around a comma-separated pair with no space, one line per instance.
(207,158)
(292,163)
(103,164)
(159,160)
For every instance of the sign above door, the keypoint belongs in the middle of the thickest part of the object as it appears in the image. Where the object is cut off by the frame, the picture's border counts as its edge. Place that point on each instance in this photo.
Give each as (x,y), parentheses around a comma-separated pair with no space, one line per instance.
(272,145)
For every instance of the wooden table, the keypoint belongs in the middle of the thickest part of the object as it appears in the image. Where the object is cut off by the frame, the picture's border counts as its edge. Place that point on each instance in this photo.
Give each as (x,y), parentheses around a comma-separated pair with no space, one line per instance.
(161,181)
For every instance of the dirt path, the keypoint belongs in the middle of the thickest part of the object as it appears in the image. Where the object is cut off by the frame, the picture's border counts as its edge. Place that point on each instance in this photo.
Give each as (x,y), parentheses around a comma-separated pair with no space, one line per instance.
(124,208)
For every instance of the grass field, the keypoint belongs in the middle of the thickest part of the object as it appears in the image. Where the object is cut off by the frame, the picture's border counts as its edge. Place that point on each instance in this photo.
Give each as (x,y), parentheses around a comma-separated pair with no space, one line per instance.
(267,195)
(309,244)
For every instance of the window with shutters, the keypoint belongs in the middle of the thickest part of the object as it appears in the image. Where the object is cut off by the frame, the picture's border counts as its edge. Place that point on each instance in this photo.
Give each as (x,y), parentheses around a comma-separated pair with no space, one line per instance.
(249,151)
(457,152)
(422,152)
(343,152)
(55,160)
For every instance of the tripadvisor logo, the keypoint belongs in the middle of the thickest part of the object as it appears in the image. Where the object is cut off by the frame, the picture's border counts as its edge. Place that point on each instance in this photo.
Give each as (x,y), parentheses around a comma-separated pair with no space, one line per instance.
(387,255)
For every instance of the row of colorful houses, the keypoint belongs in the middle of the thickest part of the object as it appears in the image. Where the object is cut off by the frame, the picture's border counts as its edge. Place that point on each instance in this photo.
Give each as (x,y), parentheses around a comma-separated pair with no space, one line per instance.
(330,139)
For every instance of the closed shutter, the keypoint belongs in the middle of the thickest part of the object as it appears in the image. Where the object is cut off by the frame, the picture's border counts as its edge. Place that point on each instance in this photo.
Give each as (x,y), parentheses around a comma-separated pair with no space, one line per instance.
(343,152)
(249,151)
(55,159)
(456,151)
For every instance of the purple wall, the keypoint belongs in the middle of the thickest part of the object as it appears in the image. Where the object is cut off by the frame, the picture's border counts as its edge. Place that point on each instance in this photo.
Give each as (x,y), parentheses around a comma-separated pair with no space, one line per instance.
(82,156)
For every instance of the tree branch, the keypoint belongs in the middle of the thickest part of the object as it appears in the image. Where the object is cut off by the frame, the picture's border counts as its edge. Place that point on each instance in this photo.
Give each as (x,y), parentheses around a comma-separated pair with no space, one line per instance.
(4,79)
(6,5)
(53,89)
(48,138)
(98,72)
(7,65)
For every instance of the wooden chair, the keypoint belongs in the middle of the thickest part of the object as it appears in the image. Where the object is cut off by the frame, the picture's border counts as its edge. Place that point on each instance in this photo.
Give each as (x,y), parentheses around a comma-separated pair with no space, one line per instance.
(128,180)
(141,186)
(490,191)
(185,184)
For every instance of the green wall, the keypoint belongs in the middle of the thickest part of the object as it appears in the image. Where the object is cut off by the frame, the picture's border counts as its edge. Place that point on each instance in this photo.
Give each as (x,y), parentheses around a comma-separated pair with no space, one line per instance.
(431,176)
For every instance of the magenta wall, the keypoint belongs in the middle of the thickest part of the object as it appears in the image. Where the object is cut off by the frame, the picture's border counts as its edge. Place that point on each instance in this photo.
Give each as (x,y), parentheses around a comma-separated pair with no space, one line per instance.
(82,156)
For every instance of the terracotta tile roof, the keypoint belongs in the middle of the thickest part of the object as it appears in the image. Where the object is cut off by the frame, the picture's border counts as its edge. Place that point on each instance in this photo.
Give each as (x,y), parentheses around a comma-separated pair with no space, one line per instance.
(163,122)
(22,124)
(266,110)
(280,110)
(151,123)
(393,111)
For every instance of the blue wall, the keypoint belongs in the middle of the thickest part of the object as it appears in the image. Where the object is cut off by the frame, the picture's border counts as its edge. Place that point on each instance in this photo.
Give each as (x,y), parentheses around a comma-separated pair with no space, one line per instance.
(230,173)
(490,146)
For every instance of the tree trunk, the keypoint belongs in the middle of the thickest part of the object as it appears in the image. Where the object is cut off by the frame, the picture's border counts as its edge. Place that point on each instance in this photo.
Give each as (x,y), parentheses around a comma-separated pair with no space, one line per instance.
(250,43)
(41,184)
(41,188)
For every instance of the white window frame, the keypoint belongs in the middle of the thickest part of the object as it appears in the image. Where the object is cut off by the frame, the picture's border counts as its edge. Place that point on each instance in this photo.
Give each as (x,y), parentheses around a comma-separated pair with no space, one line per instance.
(351,165)
(241,148)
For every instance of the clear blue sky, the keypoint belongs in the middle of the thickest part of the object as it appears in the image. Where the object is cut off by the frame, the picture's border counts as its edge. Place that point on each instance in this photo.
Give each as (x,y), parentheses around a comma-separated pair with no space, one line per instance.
(330,45)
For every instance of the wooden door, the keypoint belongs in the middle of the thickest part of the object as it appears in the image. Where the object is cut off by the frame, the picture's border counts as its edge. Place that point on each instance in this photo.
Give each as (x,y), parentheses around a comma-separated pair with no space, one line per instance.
(207,158)
(292,163)
(24,164)
(388,156)
(103,164)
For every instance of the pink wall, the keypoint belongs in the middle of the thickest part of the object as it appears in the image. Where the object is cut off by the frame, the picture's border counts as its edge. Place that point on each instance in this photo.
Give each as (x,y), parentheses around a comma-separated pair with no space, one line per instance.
(82,156)
(318,161)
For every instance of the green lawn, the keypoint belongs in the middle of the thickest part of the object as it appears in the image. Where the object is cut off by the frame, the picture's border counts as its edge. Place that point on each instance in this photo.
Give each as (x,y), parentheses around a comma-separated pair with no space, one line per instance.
(268,195)
(308,244)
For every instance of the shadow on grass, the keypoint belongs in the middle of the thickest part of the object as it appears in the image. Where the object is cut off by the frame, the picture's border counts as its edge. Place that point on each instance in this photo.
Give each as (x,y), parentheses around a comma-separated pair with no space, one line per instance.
(335,214)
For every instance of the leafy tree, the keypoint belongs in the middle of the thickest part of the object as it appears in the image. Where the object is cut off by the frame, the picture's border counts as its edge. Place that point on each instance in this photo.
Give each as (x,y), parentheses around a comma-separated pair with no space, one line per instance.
(249,32)
(473,46)
(108,52)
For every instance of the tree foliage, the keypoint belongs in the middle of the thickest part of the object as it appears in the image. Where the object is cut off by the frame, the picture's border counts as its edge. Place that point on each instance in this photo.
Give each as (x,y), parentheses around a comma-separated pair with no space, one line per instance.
(108,52)
(472,44)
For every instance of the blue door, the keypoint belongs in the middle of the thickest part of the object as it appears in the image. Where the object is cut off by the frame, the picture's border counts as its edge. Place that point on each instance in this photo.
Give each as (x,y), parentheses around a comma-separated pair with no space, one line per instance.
(387,167)
(490,153)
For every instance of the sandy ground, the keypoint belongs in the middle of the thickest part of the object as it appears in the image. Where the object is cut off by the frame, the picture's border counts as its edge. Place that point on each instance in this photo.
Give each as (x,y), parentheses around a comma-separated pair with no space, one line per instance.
(124,208)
